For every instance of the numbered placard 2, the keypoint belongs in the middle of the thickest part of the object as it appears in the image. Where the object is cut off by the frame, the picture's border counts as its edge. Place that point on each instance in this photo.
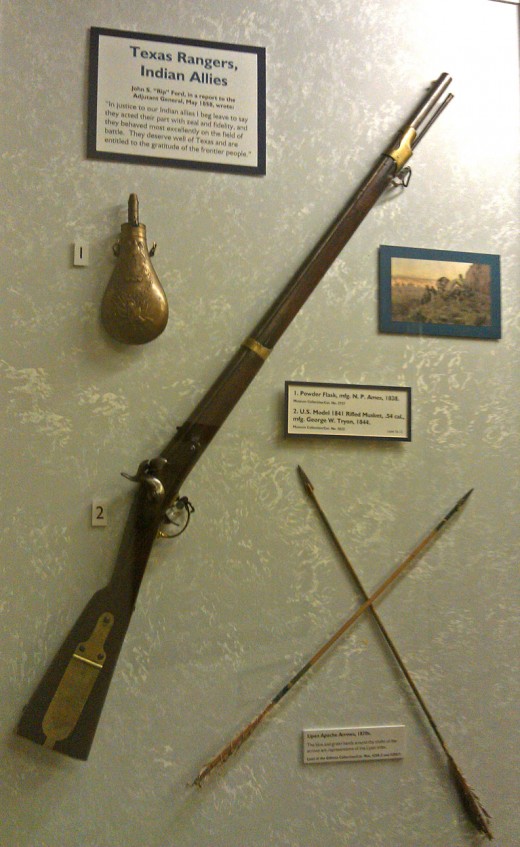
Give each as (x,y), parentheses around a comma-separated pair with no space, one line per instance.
(99,512)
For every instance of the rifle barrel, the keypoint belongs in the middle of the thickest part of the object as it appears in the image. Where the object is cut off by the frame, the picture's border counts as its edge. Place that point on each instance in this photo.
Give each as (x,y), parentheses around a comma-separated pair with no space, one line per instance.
(431,99)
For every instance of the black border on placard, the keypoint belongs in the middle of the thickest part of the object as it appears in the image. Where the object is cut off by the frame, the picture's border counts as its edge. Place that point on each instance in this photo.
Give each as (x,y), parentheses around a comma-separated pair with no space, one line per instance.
(94,153)
(401,388)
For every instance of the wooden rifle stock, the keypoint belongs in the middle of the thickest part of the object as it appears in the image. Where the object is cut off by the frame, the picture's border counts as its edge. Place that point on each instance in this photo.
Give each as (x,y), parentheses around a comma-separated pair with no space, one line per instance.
(64,710)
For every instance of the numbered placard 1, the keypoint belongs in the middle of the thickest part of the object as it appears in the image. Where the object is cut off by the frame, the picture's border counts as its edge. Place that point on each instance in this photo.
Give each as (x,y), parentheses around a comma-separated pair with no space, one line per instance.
(99,512)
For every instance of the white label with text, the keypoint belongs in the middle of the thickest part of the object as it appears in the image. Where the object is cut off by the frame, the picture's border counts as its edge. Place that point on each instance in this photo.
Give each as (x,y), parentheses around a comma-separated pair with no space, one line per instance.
(195,101)
(360,411)
(353,744)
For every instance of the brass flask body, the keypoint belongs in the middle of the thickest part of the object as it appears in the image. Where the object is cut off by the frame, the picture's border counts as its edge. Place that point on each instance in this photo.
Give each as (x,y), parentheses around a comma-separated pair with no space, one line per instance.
(134,309)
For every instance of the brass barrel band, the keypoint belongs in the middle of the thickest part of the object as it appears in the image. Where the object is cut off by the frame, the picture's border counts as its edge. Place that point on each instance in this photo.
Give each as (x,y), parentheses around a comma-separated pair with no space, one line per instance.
(403,151)
(256,347)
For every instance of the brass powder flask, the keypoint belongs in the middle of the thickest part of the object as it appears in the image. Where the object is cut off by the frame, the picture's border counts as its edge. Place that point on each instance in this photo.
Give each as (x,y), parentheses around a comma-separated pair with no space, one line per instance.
(134,308)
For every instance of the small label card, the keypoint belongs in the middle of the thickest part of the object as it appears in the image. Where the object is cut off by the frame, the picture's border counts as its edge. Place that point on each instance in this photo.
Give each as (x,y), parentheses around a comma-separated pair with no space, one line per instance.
(359,411)
(353,744)
(177,102)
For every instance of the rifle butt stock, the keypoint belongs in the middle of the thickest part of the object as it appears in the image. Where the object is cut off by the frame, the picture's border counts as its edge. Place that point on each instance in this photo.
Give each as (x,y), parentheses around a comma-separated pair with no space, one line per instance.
(64,711)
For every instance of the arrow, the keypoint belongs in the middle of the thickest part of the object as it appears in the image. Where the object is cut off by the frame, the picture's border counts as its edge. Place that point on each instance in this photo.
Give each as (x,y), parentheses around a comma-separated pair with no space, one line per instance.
(239,739)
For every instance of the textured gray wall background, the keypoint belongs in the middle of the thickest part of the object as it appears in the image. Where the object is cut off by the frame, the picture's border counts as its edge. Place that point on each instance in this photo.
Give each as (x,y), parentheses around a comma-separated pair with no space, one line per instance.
(230,610)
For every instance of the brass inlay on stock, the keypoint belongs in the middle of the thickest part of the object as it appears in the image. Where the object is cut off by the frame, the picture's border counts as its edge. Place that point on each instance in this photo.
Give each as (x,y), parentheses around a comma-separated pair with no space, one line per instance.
(76,683)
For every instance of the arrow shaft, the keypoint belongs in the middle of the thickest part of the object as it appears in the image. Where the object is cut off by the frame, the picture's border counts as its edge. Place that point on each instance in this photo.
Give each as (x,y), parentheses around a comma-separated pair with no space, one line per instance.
(382,628)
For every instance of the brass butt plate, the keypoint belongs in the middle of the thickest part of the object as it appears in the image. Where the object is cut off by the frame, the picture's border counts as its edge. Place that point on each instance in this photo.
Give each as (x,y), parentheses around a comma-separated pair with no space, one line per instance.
(76,684)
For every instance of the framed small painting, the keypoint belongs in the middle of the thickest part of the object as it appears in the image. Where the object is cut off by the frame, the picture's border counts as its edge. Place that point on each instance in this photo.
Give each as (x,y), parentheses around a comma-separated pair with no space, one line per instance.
(439,292)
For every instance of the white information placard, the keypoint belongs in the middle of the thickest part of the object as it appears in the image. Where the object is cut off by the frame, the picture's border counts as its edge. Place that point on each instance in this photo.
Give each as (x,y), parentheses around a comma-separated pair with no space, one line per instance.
(356,411)
(353,744)
(176,101)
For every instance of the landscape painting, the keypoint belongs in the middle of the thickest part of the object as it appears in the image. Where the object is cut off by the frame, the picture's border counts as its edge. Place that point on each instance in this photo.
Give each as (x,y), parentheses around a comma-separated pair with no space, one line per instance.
(439,292)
